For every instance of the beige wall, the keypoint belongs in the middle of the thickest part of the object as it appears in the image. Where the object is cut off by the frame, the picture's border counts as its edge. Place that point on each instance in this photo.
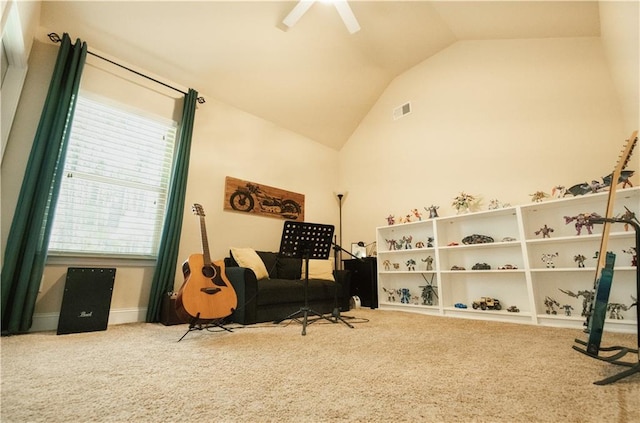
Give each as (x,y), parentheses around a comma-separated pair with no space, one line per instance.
(496,119)
(226,142)
(620,35)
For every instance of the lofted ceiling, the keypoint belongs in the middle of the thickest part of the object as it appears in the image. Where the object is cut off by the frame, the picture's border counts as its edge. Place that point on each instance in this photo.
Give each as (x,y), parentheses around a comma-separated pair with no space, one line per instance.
(315,79)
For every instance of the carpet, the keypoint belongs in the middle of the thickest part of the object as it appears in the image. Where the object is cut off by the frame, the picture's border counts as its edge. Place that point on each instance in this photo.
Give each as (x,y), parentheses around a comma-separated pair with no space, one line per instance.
(392,367)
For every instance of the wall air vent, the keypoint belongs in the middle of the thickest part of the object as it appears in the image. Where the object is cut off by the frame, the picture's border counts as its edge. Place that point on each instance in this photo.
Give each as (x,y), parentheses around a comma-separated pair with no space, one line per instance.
(401,111)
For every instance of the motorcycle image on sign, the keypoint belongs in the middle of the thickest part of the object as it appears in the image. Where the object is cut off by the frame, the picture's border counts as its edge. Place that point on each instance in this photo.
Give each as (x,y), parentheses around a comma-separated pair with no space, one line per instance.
(244,199)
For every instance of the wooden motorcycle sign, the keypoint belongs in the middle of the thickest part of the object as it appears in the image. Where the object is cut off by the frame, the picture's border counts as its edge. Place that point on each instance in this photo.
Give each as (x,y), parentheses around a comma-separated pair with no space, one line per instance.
(250,197)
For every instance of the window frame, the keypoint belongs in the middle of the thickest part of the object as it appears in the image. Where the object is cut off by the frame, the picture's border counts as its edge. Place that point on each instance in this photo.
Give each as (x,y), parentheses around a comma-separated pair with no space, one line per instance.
(109,258)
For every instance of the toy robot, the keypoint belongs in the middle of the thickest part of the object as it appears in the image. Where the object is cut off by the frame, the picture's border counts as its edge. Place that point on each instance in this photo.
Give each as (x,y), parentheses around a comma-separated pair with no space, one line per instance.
(545,231)
(547,258)
(405,295)
(551,305)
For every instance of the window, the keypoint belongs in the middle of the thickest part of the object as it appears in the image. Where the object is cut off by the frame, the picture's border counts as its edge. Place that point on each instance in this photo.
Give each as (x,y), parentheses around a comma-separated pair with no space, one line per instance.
(115,181)
(14,66)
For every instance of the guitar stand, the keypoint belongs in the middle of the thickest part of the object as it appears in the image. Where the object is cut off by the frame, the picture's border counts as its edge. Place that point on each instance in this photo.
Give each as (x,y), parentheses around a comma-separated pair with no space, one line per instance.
(196,324)
(304,312)
(633,368)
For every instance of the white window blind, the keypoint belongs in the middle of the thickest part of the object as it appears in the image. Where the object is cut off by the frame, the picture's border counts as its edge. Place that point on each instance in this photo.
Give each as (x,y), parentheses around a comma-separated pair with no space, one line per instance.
(114,187)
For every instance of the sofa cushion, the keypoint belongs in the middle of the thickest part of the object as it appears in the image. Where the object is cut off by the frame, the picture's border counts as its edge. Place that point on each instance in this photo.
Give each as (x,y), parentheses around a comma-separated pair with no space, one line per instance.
(283,291)
(270,261)
(247,257)
(289,268)
(319,269)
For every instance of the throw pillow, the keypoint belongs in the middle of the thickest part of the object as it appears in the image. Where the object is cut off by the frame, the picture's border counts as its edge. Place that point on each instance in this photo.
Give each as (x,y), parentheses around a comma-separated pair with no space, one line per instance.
(319,269)
(247,257)
(270,262)
(289,268)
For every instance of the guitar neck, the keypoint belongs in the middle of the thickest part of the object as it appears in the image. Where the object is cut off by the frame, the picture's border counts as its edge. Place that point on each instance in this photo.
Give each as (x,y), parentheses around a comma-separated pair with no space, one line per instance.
(606,228)
(205,242)
(611,199)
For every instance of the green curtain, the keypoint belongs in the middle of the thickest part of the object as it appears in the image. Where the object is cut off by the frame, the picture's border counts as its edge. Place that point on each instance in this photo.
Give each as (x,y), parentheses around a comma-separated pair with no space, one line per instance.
(164,275)
(28,239)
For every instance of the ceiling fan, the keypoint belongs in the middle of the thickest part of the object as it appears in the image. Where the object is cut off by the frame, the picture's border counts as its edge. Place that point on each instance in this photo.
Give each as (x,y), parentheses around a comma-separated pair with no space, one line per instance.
(342,7)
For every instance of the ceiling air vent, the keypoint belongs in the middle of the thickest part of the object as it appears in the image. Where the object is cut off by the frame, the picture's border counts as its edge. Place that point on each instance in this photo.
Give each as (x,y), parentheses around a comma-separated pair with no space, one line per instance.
(401,111)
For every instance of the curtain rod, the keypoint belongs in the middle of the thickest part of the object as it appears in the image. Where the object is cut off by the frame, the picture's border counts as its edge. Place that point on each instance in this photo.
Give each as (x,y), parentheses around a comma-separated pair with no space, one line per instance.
(56,39)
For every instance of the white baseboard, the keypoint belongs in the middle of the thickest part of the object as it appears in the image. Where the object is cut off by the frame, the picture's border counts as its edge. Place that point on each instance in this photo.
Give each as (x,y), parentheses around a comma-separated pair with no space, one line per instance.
(49,321)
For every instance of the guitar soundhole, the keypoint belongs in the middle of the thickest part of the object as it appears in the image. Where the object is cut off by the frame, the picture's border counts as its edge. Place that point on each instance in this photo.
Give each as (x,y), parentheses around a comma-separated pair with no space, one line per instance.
(208,272)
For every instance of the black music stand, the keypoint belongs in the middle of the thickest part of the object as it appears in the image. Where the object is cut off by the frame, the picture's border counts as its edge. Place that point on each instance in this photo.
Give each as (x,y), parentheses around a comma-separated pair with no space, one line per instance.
(306,241)
(336,308)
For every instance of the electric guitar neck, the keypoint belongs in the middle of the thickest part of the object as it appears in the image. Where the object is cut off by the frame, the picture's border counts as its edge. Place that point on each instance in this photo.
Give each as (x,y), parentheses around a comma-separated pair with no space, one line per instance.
(604,270)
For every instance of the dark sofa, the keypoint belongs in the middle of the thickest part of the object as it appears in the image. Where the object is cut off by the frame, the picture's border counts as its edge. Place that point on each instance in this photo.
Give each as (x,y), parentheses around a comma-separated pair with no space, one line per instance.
(282,294)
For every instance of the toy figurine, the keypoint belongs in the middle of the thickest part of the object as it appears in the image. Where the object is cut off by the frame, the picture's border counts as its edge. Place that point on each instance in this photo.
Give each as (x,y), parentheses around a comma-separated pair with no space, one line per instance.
(634,255)
(391,294)
(582,220)
(405,295)
(419,244)
(417,214)
(396,266)
(429,261)
(393,244)
(623,179)
(433,211)
(551,305)
(386,264)
(538,196)
(567,309)
(495,204)
(580,260)
(558,191)
(545,231)
(547,258)
(391,220)
(406,240)
(406,219)
(429,292)
(579,189)
(486,303)
(463,202)
(628,215)
(430,242)
(588,298)
(614,310)
(597,186)
(411,264)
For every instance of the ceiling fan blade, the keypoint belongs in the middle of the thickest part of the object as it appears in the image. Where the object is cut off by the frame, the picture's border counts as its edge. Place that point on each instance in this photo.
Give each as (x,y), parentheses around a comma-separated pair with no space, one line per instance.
(347,16)
(297,12)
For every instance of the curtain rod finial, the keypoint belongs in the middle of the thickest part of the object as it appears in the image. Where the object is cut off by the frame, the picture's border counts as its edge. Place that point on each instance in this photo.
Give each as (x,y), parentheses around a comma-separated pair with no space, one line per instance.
(54,37)
(201,100)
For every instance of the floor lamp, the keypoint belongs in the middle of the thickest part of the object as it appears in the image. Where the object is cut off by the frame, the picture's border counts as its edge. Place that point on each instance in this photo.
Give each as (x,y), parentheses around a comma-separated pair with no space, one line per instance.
(340,195)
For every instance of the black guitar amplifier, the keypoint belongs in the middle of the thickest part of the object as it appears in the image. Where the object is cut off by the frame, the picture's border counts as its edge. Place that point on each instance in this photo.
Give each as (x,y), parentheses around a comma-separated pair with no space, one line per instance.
(168,314)
(87,299)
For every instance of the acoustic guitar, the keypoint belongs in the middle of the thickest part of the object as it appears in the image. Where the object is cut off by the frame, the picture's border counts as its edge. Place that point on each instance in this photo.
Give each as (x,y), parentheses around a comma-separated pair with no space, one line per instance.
(206,293)
(604,270)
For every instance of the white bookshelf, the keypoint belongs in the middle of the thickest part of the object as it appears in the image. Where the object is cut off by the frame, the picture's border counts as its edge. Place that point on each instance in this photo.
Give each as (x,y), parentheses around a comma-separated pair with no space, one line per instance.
(528,282)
